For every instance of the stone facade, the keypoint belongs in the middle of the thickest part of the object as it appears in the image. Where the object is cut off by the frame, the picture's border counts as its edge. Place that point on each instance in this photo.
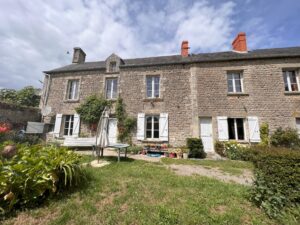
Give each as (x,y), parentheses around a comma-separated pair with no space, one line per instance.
(188,92)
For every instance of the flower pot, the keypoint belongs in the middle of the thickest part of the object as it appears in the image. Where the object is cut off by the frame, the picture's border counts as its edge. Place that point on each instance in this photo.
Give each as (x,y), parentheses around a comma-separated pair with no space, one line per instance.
(179,156)
(172,155)
(185,155)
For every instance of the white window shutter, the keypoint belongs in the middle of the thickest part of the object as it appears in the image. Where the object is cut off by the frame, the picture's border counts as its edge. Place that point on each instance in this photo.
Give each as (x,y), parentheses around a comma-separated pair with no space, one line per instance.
(76,125)
(163,127)
(254,134)
(57,125)
(140,127)
(222,128)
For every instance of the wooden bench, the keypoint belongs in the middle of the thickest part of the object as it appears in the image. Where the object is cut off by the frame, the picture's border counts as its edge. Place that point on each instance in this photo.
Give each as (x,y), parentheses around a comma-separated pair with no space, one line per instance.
(79,142)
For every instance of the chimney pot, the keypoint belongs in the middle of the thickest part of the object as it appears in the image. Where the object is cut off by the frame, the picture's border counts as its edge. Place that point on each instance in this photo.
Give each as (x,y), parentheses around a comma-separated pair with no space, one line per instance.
(78,55)
(185,49)
(239,44)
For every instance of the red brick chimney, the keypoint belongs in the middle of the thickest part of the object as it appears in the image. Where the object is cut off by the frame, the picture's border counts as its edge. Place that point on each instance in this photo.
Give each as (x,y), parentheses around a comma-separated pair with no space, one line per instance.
(185,49)
(240,44)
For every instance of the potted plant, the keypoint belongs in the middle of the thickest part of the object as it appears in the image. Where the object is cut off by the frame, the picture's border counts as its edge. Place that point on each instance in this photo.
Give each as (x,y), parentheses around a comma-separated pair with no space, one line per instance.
(185,151)
(172,153)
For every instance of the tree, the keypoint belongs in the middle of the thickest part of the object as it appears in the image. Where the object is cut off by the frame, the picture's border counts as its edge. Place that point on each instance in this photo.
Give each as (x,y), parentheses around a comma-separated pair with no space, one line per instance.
(26,97)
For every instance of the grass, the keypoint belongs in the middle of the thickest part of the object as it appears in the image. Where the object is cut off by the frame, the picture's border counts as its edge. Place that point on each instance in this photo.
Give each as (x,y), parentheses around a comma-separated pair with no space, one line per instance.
(138,192)
(229,166)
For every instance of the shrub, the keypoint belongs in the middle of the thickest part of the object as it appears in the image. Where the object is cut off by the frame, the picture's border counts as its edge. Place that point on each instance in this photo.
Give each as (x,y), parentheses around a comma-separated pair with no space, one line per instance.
(195,147)
(277,180)
(234,150)
(35,173)
(220,148)
(287,138)
(135,149)
(264,134)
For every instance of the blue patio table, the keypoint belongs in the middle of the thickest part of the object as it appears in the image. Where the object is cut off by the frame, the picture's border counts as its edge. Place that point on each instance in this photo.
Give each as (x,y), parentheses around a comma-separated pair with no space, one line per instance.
(119,146)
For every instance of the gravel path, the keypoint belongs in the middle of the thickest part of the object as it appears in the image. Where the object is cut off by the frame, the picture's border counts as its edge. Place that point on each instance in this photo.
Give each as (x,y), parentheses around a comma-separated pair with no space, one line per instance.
(188,170)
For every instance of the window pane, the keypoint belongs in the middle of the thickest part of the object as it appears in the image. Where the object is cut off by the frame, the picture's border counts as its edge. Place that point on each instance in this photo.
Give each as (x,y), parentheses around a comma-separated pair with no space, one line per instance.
(230,85)
(238,86)
(148,134)
(230,82)
(231,130)
(156,134)
(156,86)
(293,79)
(286,86)
(115,88)
(149,123)
(108,88)
(156,123)
(149,87)
(240,129)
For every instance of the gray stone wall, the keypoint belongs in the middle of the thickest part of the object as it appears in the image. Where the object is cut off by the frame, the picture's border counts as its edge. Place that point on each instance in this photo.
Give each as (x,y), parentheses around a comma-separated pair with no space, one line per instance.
(189,92)
(19,116)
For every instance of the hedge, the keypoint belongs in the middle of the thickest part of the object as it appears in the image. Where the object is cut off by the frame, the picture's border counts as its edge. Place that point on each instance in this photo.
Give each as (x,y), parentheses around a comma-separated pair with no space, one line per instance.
(195,147)
(277,181)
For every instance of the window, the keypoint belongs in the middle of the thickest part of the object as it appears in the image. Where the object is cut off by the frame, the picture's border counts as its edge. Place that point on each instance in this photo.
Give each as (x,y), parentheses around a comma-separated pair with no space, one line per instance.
(236,128)
(68,125)
(112,67)
(291,81)
(152,127)
(72,93)
(153,86)
(111,88)
(235,82)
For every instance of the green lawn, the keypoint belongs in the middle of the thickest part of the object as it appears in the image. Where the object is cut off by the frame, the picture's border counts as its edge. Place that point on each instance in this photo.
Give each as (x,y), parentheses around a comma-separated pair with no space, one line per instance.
(229,166)
(138,192)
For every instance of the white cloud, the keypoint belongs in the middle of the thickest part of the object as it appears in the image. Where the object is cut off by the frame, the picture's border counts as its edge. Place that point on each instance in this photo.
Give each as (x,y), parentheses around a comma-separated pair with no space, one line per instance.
(35,35)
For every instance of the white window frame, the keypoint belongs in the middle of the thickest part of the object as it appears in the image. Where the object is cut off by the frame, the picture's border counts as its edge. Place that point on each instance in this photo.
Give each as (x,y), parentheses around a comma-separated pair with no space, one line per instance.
(72,93)
(111,94)
(152,127)
(153,86)
(288,78)
(236,130)
(69,128)
(233,82)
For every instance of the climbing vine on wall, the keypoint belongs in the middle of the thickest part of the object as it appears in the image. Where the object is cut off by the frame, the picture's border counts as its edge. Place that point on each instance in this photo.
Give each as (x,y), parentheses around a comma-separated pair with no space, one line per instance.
(126,124)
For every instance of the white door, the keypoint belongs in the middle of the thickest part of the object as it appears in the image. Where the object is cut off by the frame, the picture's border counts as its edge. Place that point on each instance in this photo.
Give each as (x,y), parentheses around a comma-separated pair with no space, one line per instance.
(206,134)
(112,130)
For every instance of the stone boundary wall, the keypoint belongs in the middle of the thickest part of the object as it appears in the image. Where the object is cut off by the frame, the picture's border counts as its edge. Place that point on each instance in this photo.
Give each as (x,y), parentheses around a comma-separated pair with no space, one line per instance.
(19,115)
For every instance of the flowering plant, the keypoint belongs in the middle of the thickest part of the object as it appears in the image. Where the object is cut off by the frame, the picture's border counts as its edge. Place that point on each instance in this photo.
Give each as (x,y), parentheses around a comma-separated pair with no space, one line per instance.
(4,127)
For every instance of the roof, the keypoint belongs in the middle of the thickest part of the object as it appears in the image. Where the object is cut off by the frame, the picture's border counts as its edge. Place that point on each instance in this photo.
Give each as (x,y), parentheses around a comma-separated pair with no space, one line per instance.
(193,58)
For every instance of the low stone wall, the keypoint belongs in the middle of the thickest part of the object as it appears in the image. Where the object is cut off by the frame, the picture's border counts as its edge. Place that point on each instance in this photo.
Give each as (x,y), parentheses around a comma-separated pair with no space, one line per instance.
(19,115)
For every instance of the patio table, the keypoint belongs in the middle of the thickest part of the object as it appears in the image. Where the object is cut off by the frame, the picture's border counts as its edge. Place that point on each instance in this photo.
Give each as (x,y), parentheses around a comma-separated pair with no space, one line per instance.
(119,146)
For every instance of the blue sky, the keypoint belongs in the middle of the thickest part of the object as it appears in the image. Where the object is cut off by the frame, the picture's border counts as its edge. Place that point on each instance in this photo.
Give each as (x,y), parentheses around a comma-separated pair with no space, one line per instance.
(36,35)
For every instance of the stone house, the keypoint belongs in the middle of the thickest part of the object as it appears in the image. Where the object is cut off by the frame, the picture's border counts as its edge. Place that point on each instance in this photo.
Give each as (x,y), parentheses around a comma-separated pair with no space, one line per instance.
(215,96)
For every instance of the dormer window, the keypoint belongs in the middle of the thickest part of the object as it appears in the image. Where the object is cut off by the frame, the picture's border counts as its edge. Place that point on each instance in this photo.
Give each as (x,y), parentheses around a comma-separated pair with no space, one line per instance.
(113,67)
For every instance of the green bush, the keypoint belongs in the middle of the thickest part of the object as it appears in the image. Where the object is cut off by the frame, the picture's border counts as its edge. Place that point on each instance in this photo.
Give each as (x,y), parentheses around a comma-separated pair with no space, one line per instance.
(234,151)
(264,134)
(135,149)
(277,179)
(220,148)
(35,173)
(195,147)
(287,138)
